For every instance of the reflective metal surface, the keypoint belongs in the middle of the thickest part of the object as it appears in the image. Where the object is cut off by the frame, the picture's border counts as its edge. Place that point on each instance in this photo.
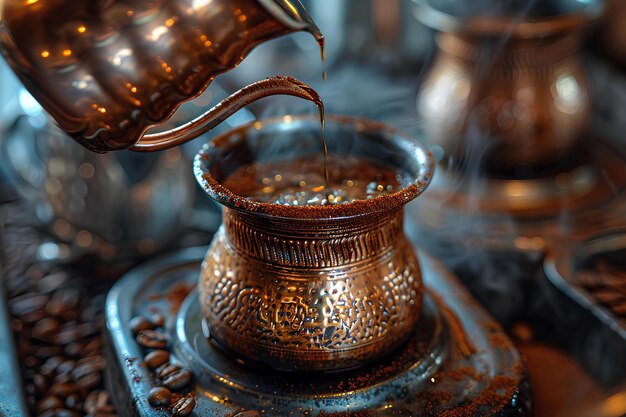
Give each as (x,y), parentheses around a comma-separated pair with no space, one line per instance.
(595,268)
(312,288)
(502,93)
(586,182)
(108,70)
(612,31)
(114,205)
(475,365)
(520,18)
(586,277)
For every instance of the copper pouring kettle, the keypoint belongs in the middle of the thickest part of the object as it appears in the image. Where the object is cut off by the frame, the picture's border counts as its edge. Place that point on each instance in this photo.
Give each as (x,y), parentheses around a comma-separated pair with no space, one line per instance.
(108,70)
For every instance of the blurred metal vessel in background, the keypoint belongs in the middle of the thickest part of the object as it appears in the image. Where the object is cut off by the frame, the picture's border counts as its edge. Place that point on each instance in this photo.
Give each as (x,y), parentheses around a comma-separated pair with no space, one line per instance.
(117,206)
(507,89)
(612,32)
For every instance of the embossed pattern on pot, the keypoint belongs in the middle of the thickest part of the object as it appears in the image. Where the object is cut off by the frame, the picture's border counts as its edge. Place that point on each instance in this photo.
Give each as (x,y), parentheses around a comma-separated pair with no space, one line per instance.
(360,309)
(314,287)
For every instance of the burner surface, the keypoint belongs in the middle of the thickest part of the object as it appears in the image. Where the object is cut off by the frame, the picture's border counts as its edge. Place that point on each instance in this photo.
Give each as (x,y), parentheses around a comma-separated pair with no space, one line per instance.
(439,372)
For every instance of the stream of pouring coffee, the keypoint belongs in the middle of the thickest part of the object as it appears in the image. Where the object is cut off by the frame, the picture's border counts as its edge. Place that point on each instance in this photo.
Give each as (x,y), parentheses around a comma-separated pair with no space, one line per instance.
(321,42)
(270,86)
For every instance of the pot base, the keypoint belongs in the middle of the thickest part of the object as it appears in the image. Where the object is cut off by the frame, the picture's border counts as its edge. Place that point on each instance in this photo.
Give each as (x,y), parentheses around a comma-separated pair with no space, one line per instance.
(438,369)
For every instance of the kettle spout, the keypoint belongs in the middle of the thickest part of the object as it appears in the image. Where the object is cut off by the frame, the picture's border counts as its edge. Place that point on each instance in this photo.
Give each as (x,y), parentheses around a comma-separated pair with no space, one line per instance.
(292,14)
(225,109)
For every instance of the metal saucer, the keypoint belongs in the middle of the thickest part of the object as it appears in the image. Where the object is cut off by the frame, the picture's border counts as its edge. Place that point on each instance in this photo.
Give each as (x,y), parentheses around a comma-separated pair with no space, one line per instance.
(591,179)
(493,233)
(585,282)
(458,360)
(408,369)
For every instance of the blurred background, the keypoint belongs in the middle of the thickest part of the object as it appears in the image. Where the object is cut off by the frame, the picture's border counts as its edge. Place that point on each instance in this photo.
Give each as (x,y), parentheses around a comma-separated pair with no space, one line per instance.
(451,73)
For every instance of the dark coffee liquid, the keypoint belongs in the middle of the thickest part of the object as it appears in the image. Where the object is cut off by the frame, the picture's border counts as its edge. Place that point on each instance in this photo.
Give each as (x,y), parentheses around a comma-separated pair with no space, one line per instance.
(300,183)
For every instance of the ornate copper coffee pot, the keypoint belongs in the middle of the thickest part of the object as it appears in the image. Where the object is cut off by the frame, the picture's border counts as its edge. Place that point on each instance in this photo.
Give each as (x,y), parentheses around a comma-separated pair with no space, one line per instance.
(311,287)
(108,70)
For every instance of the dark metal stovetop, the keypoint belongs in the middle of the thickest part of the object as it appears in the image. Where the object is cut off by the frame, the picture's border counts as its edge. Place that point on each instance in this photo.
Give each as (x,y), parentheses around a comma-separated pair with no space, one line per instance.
(459,361)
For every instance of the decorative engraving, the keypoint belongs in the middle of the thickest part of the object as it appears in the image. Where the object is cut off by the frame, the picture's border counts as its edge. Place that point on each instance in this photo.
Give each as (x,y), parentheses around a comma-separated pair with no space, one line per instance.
(327,249)
(323,303)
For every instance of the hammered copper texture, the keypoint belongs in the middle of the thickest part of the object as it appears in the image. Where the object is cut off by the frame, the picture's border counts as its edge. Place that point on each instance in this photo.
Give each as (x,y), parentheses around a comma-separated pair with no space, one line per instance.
(324,294)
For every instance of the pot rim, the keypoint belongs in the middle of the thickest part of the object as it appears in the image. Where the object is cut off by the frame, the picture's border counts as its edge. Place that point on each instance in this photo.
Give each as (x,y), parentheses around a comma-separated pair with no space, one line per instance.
(356,208)
(485,25)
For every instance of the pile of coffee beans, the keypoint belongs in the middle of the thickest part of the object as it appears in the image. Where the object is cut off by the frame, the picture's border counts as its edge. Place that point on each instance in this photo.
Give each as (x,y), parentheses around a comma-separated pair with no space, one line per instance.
(56,316)
(173,385)
(57,326)
(607,284)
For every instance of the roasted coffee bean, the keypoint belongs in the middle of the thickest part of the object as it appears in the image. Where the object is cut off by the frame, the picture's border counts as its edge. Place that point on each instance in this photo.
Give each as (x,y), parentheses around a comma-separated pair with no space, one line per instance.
(17,288)
(33,317)
(157,320)
(184,406)
(66,367)
(166,369)
(45,329)
(156,358)
(49,402)
(65,378)
(95,401)
(152,339)
(74,349)
(36,272)
(249,413)
(41,383)
(97,362)
(67,336)
(177,380)
(88,329)
(88,367)
(90,381)
(64,390)
(50,365)
(57,308)
(103,413)
(159,396)
(27,303)
(52,281)
(63,412)
(63,301)
(107,408)
(92,348)
(140,323)
(45,352)
(74,402)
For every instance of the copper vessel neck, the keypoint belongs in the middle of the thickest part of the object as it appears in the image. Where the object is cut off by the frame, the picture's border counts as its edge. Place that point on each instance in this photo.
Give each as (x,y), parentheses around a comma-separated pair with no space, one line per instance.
(510,56)
(317,243)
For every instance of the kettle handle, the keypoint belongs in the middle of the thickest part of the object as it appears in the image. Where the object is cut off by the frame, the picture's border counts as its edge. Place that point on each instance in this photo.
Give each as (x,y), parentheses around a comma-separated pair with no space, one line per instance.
(270,86)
